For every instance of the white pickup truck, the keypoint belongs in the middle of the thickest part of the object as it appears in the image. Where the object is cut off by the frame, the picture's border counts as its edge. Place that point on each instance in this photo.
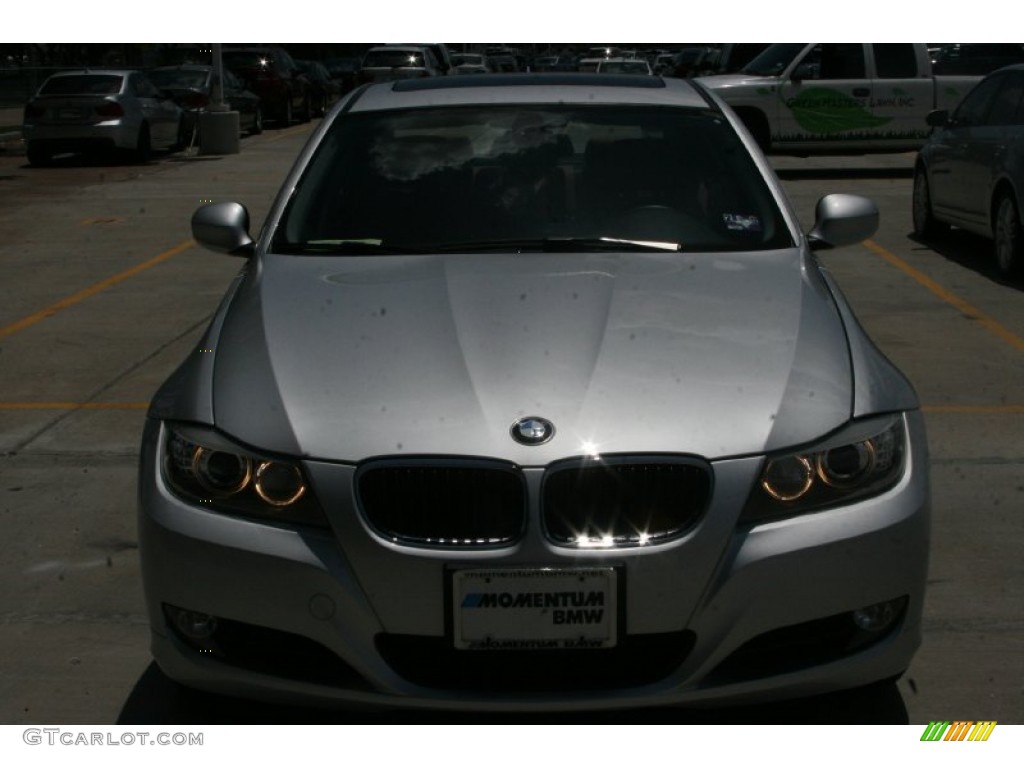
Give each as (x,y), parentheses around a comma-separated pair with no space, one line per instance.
(822,98)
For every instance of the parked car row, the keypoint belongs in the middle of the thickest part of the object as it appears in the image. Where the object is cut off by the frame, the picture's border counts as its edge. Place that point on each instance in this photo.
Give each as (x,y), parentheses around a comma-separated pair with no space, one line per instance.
(132,113)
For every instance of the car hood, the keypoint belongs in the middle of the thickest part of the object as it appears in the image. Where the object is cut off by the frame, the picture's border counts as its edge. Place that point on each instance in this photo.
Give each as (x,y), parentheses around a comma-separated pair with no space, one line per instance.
(716,355)
(723,82)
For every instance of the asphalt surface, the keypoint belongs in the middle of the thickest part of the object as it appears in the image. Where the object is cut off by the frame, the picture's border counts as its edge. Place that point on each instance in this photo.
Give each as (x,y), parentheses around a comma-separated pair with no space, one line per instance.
(102,294)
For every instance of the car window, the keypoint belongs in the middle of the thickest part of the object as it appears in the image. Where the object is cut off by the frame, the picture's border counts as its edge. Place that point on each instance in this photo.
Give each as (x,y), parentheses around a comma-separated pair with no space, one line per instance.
(1006,100)
(100,85)
(773,60)
(974,109)
(833,61)
(443,179)
(895,60)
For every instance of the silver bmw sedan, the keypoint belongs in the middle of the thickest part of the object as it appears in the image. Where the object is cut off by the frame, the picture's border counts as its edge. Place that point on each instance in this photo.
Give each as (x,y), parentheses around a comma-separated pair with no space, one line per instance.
(531,394)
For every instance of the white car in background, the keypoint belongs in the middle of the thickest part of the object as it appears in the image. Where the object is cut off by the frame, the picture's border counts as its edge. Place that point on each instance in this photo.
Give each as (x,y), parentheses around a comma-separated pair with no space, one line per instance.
(100,110)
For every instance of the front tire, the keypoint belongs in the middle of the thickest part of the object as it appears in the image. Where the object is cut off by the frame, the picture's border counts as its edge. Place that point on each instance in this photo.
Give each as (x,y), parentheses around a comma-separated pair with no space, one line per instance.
(38,156)
(925,224)
(257,123)
(1009,243)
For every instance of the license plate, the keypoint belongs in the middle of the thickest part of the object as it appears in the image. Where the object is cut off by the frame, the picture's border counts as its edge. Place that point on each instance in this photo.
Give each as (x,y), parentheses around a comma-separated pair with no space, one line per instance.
(535,609)
(69,114)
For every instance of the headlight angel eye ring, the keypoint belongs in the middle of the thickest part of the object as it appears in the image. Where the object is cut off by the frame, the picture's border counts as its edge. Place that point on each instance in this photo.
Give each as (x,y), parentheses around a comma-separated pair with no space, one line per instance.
(280,485)
(788,478)
(844,467)
(221,473)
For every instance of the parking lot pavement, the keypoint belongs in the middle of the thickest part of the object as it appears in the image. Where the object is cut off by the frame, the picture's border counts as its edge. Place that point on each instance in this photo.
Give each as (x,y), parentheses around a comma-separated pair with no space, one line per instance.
(103,293)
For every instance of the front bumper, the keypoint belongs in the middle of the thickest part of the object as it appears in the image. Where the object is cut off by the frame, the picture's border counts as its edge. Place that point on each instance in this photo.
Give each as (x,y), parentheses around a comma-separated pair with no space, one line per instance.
(726,614)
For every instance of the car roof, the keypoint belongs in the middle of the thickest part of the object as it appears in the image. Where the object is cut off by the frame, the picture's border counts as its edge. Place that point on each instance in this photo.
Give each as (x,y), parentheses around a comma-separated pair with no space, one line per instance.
(532,88)
(80,72)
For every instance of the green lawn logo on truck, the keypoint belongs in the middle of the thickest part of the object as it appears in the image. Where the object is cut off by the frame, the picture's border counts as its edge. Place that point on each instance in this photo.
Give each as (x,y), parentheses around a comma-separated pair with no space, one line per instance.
(826,111)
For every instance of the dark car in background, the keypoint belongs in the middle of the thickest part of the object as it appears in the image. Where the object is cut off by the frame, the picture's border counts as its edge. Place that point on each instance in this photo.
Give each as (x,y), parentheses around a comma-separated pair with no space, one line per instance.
(970,173)
(323,90)
(272,74)
(345,72)
(191,88)
(100,110)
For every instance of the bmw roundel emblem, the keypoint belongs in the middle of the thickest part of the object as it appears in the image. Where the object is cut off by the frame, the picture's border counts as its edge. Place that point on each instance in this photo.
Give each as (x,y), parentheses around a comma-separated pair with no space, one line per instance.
(533,430)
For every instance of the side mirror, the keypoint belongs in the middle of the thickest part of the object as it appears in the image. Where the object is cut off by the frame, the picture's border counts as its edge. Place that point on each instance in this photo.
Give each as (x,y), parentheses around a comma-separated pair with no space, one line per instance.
(842,219)
(223,227)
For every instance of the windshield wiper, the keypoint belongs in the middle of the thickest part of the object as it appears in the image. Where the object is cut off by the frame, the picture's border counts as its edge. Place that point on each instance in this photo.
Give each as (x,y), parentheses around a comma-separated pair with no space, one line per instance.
(557,245)
(347,248)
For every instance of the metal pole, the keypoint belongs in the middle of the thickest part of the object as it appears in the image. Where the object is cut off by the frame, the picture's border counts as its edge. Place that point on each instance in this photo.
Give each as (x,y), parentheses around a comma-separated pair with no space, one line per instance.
(217,96)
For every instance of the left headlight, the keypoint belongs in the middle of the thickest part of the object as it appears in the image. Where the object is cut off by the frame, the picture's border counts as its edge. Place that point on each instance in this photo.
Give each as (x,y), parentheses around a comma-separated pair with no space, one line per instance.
(205,469)
(863,459)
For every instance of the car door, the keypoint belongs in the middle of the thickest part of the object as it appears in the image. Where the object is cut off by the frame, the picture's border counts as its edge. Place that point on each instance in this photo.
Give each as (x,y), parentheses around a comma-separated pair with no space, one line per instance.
(825,96)
(985,157)
(960,172)
(900,93)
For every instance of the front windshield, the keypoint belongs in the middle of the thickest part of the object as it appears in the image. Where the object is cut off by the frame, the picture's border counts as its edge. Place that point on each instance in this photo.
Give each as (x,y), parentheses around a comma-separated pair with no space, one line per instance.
(521,177)
(774,59)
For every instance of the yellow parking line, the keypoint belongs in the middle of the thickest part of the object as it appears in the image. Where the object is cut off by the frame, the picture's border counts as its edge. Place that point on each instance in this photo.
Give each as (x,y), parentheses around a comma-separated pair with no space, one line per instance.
(58,406)
(963,306)
(92,290)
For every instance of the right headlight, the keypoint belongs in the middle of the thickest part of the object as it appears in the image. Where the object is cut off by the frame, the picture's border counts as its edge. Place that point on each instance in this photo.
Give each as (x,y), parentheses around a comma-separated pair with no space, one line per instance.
(204,468)
(863,459)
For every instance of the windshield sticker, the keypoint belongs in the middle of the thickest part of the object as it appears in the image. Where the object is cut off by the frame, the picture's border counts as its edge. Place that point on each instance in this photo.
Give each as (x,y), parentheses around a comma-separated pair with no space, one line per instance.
(741,222)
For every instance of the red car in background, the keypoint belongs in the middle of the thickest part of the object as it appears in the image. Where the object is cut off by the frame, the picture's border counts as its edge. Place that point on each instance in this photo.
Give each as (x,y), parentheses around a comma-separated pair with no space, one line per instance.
(272,74)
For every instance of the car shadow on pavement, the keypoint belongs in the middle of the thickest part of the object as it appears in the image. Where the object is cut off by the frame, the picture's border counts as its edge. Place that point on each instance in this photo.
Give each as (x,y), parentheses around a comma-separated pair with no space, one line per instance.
(158,700)
(967,250)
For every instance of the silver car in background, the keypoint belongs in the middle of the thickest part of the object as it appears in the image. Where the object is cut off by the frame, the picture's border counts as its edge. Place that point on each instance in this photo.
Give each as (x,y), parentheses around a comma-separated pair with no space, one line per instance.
(531,394)
(970,173)
(100,110)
